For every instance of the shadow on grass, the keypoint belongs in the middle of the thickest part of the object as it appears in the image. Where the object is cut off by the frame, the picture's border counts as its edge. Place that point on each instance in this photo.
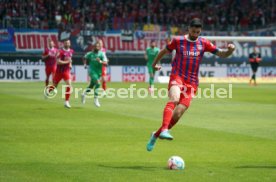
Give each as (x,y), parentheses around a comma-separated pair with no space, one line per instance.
(144,168)
(255,167)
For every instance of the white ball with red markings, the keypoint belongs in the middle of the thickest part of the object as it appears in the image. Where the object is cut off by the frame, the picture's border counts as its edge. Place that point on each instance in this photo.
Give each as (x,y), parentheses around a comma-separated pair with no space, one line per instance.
(176,163)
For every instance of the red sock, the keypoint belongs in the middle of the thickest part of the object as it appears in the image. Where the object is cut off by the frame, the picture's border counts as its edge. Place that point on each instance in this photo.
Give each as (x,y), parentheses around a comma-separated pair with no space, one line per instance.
(68,92)
(167,116)
(46,83)
(104,85)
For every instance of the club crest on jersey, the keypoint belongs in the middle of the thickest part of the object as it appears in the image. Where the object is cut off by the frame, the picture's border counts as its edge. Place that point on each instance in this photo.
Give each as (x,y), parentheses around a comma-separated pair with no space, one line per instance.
(199,47)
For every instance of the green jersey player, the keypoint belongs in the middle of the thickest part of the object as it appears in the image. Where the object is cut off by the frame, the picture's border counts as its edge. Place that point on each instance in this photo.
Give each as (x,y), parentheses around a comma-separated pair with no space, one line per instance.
(150,54)
(96,59)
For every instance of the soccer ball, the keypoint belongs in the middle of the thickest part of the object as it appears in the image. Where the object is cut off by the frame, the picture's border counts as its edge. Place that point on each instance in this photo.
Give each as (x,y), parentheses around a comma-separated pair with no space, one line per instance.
(176,163)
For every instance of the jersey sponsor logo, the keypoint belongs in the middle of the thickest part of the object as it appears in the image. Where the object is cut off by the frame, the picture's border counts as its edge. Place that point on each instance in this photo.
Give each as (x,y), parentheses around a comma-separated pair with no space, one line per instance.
(238,72)
(134,73)
(268,72)
(191,53)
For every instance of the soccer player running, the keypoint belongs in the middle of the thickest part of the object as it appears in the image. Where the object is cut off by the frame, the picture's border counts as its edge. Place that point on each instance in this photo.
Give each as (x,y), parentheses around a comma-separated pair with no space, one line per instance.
(104,66)
(184,75)
(96,60)
(150,54)
(64,64)
(254,59)
(49,56)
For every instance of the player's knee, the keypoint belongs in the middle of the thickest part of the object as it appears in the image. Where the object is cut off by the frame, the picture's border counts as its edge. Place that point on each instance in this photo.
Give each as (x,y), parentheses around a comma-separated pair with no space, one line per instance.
(179,111)
(174,99)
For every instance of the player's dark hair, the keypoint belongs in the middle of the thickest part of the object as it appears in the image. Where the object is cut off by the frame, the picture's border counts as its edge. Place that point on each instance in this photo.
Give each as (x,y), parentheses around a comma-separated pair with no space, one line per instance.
(196,22)
(152,40)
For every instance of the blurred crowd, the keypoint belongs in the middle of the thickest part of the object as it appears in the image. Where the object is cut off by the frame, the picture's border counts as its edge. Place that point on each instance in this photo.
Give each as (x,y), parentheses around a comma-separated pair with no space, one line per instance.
(168,15)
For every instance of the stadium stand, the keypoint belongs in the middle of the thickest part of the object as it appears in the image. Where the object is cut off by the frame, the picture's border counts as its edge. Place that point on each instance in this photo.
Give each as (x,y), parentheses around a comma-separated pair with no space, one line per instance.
(218,15)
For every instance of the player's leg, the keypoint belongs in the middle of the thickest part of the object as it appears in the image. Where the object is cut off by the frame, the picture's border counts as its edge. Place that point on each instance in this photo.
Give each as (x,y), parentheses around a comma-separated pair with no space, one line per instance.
(174,96)
(255,71)
(56,80)
(151,78)
(250,81)
(97,81)
(67,80)
(89,88)
(253,77)
(162,132)
(184,103)
(48,73)
(53,73)
(104,79)
(177,114)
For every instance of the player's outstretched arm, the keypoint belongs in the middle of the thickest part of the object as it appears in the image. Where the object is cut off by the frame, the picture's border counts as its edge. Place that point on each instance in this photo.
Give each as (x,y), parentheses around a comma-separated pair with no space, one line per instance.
(159,56)
(225,53)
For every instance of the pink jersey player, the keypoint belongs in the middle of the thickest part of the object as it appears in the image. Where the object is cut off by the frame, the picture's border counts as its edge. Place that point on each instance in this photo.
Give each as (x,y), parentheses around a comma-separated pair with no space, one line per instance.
(64,63)
(50,58)
(104,67)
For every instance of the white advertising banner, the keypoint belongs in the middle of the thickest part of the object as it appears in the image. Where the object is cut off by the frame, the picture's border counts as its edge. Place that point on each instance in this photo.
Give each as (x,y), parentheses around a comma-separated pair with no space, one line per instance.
(22,73)
(131,73)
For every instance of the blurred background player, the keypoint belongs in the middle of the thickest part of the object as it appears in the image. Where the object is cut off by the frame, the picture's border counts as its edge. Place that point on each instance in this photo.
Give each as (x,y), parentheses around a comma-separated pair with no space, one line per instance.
(104,66)
(96,60)
(184,75)
(254,59)
(64,64)
(50,58)
(150,54)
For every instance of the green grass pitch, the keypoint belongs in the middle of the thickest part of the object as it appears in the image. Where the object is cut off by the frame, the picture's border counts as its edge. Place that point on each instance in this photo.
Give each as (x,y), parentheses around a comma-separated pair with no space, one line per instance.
(219,139)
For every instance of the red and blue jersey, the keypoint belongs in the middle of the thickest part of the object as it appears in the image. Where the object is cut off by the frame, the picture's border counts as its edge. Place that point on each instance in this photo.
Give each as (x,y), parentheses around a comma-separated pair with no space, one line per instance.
(51,60)
(64,55)
(189,56)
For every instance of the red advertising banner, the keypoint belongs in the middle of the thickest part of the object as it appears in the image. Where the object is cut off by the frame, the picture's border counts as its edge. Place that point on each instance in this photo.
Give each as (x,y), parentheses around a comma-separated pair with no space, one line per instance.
(33,40)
